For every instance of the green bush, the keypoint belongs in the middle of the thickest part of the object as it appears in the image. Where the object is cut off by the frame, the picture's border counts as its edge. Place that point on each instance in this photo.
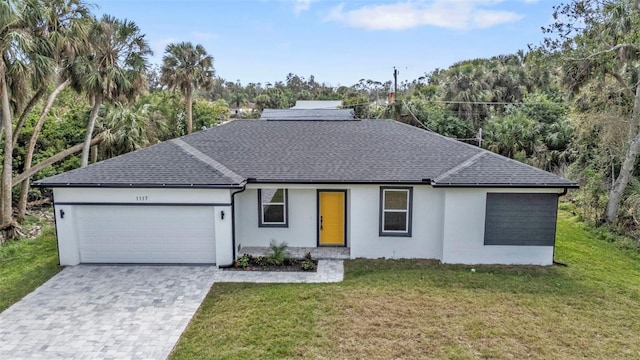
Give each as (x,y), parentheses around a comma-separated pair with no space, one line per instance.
(278,253)
(244,261)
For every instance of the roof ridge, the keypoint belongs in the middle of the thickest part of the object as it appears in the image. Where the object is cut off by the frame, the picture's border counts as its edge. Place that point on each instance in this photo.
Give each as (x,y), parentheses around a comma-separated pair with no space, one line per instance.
(199,155)
(470,161)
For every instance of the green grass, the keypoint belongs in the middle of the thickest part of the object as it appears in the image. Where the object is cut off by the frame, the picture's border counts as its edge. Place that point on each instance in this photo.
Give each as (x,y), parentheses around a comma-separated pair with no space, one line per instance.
(420,309)
(25,265)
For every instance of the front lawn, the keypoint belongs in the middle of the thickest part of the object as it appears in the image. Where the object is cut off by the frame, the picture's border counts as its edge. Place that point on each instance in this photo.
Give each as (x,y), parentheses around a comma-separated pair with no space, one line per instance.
(25,265)
(418,309)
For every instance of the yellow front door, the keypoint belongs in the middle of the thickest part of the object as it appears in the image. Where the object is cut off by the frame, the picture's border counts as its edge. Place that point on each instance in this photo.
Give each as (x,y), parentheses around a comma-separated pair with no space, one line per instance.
(332,215)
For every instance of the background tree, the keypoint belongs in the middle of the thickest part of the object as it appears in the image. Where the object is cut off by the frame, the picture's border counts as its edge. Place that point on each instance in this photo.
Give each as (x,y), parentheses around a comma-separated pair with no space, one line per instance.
(26,65)
(187,67)
(113,70)
(67,24)
(597,41)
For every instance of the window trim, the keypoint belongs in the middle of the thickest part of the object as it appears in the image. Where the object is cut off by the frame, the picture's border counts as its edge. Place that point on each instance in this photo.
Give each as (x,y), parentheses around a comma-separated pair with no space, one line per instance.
(409,211)
(261,222)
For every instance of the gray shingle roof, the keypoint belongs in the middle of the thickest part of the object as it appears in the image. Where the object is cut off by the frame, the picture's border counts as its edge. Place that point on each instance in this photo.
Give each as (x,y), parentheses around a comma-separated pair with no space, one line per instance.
(160,165)
(308,114)
(377,151)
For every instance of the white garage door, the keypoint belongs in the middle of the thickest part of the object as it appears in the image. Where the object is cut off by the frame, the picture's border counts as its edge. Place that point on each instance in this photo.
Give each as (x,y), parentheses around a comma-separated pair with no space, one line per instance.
(145,234)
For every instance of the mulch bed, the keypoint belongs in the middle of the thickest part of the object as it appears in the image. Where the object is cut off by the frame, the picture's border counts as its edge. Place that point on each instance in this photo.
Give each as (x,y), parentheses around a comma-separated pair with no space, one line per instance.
(281,268)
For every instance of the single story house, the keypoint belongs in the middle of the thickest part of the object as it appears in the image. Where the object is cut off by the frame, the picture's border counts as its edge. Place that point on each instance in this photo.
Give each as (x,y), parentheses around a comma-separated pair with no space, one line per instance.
(376,188)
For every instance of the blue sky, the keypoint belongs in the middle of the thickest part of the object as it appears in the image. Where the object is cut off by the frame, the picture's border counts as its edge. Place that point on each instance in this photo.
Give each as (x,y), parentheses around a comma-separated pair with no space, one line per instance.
(339,42)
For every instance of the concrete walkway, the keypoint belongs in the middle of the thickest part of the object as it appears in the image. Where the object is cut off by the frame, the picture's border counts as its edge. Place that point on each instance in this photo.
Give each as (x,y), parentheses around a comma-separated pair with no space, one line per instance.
(328,271)
(105,312)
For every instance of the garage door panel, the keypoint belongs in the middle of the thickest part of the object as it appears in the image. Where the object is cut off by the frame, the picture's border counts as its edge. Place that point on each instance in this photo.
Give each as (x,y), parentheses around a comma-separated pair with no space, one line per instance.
(145,234)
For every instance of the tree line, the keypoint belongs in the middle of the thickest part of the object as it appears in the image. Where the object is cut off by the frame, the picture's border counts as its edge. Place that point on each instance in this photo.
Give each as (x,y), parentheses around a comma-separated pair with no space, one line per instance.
(77,89)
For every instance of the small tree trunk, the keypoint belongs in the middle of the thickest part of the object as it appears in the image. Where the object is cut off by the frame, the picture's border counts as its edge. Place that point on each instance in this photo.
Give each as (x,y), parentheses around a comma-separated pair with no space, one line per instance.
(92,123)
(54,159)
(94,154)
(34,100)
(619,186)
(6,215)
(189,112)
(31,146)
(626,171)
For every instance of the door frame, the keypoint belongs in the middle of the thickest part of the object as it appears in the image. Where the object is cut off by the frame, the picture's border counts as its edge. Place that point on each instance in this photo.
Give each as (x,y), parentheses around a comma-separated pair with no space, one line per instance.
(318,191)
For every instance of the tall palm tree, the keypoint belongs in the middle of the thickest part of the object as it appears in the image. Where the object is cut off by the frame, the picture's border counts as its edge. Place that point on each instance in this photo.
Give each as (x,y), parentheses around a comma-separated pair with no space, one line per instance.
(113,70)
(25,65)
(187,67)
(66,27)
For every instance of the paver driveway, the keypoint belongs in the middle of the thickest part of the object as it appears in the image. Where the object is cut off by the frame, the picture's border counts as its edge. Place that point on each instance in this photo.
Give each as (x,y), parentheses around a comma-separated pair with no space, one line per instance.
(105,312)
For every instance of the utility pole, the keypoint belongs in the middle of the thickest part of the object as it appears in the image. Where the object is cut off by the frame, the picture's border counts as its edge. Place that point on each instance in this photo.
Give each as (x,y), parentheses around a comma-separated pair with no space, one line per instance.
(396,104)
(395,80)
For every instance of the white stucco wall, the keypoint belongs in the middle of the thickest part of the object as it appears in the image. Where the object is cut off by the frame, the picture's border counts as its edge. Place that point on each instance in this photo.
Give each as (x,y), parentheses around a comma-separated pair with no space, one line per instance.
(66,233)
(301,231)
(68,199)
(126,195)
(463,231)
(425,241)
(447,223)
(363,216)
(222,228)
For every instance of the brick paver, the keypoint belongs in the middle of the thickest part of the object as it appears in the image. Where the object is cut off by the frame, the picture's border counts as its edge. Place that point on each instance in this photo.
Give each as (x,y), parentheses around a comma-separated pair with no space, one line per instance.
(105,312)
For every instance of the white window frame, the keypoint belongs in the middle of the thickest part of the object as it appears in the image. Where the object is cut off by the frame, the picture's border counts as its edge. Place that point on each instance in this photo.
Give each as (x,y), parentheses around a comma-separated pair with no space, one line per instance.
(262,204)
(408,211)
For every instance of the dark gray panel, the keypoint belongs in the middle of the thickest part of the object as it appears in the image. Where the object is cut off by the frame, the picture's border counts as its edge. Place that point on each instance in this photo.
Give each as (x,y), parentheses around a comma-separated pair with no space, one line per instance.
(521,219)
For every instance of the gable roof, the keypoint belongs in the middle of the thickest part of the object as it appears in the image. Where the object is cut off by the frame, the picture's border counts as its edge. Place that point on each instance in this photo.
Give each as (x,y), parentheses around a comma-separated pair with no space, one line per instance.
(308,114)
(365,151)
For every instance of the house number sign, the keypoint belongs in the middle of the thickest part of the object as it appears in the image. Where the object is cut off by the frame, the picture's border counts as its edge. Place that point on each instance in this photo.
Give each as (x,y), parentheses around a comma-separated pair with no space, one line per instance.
(142,198)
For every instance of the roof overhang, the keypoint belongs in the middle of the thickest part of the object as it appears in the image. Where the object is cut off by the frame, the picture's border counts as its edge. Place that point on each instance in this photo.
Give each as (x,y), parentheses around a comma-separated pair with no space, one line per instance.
(141,186)
(525,186)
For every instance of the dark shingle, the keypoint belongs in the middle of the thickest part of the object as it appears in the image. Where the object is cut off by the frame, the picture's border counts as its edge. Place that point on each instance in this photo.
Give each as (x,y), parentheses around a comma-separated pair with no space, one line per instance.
(493,169)
(164,164)
(380,151)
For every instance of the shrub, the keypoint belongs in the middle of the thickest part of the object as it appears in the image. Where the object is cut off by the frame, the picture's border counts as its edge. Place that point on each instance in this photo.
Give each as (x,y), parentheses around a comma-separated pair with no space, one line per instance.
(244,261)
(307,263)
(278,253)
(261,261)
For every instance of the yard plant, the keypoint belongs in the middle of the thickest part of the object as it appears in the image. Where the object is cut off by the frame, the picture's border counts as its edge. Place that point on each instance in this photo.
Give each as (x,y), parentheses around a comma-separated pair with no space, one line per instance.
(422,309)
(277,259)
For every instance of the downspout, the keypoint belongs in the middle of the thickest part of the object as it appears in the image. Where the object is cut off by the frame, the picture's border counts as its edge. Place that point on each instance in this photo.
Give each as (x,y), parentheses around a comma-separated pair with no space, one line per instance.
(553,257)
(233,226)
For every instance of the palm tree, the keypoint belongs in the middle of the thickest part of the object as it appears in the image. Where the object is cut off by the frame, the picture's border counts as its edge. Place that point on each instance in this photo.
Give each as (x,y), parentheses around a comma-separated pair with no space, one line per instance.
(238,98)
(67,24)
(25,65)
(113,70)
(187,67)
(129,128)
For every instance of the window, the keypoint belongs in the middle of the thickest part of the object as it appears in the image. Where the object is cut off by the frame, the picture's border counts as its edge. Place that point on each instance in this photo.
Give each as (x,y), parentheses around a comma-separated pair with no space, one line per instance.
(395,211)
(273,207)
